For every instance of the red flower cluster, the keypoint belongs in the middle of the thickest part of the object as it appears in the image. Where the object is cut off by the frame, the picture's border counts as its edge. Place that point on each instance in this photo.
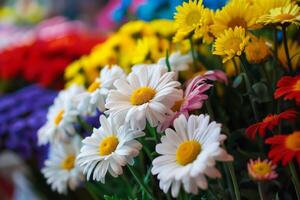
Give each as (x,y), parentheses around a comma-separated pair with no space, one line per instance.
(44,61)
(269,122)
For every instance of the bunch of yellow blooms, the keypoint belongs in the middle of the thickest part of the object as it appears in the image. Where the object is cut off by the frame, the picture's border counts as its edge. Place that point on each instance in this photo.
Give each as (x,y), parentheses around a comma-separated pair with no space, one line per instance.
(136,42)
(232,29)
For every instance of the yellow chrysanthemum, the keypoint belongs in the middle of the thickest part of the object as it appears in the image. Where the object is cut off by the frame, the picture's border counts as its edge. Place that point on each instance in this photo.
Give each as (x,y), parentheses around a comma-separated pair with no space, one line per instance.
(264,6)
(286,15)
(188,19)
(257,51)
(294,51)
(237,13)
(205,30)
(136,29)
(231,43)
(149,49)
(163,27)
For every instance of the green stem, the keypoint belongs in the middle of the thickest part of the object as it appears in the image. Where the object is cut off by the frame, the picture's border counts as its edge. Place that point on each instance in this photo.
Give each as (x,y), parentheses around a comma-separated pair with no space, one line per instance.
(234,181)
(275,61)
(91,190)
(84,124)
(286,49)
(125,180)
(248,86)
(212,193)
(140,182)
(260,191)
(152,132)
(167,61)
(193,52)
(235,67)
(295,179)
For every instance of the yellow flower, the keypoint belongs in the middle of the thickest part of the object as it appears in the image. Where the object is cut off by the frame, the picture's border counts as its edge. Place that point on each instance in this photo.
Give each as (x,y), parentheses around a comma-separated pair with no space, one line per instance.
(205,31)
(188,19)
(294,51)
(257,51)
(231,43)
(264,6)
(150,49)
(286,15)
(163,27)
(237,13)
(136,29)
(142,50)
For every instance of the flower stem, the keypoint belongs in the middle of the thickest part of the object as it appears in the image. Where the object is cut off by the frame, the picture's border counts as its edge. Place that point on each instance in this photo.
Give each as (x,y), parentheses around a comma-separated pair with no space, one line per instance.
(193,52)
(286,49)
(91,190)
(84,124)
(295,179)
(248,87)
(235,67)
(234,181)
(260,191)
(140,182)
(167,61)
(152,131)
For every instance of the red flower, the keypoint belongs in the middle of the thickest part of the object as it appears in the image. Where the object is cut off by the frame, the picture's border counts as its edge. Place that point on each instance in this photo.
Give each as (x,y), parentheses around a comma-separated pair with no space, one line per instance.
(289,88)
(44,61)
(269,122)
(285,148)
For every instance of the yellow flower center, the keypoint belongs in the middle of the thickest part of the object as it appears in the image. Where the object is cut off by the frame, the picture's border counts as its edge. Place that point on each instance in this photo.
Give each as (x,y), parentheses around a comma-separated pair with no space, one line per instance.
(297,86)
(261,168)
(68,163)
(193,17)
(187,152)
(59,117)
(284,16)
(177,105)
(292,142)
(94,86)
(108,145)
(236,22)
(142,95)
(233,43)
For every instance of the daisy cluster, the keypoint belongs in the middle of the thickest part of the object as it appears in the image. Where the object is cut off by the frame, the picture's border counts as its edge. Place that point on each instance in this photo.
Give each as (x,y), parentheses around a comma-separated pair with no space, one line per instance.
(202,106)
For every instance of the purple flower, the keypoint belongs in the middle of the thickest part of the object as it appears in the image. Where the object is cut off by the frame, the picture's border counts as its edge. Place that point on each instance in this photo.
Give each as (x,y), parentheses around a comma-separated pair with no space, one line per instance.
(22,113)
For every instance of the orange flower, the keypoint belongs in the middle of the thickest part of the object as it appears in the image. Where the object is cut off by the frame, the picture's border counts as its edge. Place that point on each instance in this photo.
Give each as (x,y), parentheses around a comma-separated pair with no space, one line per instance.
(289,88)
(259,170)
(285,148)
(269,122)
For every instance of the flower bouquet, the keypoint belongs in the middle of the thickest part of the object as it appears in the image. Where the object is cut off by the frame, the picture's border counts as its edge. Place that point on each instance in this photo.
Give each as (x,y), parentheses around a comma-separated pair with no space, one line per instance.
(202,107)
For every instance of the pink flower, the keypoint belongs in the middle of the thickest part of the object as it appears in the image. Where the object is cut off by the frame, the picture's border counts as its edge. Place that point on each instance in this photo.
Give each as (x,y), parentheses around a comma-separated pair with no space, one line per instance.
(261,170)
(194,96)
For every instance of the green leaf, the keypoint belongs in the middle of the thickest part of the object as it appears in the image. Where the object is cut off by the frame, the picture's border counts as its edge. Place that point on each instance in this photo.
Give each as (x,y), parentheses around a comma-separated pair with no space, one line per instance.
(261,93)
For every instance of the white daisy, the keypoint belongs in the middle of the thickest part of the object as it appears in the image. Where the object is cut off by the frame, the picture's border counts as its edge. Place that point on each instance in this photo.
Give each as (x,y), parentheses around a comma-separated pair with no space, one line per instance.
(148,93)
(94,97)
(109,148)
(189,153)
(61,169)
(178,61)
(61,116)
